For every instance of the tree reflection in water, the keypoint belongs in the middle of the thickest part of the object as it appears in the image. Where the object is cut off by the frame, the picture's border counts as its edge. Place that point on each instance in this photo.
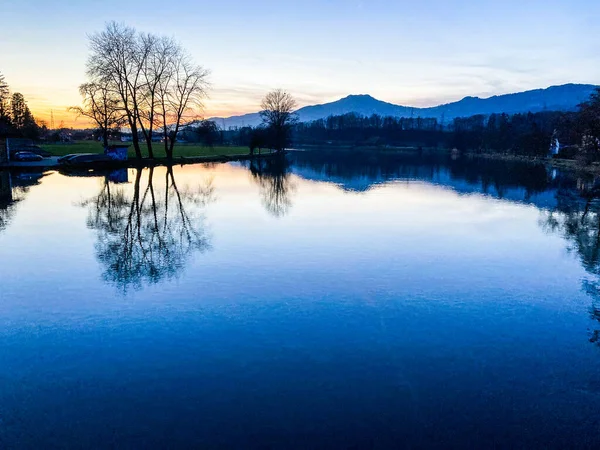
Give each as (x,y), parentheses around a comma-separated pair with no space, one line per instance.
(275,185)
(146,234)
(7,200)
(577,219)
(13,189)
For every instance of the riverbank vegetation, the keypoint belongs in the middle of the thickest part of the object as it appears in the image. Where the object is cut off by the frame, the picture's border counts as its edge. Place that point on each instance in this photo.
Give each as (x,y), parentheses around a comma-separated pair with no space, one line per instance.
(573,134)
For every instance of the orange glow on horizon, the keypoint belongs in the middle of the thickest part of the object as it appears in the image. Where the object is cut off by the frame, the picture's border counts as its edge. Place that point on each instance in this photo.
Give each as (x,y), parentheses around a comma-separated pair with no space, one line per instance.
(70,119)
(43,109)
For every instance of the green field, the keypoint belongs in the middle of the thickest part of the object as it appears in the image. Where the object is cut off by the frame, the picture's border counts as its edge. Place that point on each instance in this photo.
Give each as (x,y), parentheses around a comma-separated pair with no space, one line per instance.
(159,151)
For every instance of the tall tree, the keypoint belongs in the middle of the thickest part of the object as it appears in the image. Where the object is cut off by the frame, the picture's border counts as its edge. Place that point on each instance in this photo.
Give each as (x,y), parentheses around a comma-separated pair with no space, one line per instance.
(21,116)
(206,132)
(113,62)
(180,93)
(278,115)
(155,80)
(102,106)
(6,127)
(589,120)
(18,110)
(4,98)
(160,52)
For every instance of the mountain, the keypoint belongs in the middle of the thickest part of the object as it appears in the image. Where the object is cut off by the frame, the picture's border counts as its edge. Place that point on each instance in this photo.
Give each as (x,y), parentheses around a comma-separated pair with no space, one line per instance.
(252,120)
(555,98)
(361,104)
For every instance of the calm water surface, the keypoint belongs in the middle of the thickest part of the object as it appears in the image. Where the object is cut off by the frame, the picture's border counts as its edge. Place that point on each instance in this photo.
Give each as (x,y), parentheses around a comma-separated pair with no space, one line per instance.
(328,302)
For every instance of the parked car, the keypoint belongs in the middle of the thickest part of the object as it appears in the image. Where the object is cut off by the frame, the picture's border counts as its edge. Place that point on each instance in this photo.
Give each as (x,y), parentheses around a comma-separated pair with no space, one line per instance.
(37,150)
(31,149)
(66,158)
(26,156)
(85,158)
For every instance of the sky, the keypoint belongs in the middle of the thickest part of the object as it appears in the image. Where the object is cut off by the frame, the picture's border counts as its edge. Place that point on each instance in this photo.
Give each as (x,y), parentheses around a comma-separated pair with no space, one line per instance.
(414,53)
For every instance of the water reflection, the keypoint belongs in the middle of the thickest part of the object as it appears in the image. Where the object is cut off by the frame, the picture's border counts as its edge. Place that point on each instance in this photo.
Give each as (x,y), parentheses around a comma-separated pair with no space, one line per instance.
(6,200)
(13,189)
(275,185)
(146,233)
(360,172)
(147,226)
(569,202)
(386,315)
(577,219)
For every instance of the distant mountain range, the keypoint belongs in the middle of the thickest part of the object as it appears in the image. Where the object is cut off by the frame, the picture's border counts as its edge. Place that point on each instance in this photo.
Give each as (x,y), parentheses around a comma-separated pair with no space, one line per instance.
(555,98)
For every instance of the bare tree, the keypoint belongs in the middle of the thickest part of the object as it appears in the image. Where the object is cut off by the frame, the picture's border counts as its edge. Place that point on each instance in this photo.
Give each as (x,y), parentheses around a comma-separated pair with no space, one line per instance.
(155,80)
(180,94)
(157,70)
(102,106)
(113,63)
(278,115)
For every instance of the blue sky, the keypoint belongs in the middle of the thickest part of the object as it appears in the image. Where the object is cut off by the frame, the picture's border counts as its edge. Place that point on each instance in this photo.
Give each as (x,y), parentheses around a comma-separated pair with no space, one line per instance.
(415,53)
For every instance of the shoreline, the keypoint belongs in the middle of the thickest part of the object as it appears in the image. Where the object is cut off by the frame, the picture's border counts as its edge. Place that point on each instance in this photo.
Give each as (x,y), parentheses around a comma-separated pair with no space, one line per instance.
(52,163)
(132,163)
(564,164)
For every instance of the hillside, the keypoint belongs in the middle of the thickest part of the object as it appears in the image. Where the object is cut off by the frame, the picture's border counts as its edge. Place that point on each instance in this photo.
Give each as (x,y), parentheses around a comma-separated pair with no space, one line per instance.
(555,98)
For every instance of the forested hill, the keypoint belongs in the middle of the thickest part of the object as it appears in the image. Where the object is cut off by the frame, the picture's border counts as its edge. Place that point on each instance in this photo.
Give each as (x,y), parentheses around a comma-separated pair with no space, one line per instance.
(555,98)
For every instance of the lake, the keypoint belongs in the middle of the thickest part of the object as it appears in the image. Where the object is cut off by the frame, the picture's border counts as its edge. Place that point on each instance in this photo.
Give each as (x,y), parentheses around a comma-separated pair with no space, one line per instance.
(328,301)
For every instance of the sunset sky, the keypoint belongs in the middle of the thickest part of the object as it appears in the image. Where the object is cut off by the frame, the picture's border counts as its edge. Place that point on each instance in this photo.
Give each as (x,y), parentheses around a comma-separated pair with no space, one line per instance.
(407,52)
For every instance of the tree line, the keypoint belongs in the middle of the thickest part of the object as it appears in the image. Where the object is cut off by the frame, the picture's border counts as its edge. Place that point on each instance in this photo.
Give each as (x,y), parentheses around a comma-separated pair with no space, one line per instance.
(16,120)
(521,134)
(532,134)
(529,134)
(374,130)
(526,134)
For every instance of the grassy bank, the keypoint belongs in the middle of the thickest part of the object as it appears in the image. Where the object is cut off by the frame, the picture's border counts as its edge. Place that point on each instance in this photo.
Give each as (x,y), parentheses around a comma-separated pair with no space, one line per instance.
(185,150)
(565,164)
